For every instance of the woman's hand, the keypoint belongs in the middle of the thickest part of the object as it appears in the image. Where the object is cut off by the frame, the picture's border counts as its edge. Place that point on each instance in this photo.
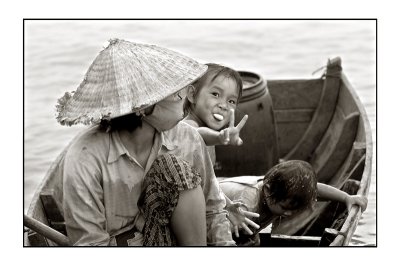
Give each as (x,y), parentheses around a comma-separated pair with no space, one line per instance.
(362,201)
(230,135)
(239,218)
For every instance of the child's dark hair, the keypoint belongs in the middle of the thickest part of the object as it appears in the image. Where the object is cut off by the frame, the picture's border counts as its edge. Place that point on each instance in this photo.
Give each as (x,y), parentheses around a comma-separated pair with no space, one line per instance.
(126,122)
(214,71)
(295,180)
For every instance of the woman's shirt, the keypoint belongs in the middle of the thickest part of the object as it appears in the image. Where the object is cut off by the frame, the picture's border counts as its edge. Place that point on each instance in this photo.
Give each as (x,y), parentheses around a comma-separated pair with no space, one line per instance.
(210,149)
(102,184)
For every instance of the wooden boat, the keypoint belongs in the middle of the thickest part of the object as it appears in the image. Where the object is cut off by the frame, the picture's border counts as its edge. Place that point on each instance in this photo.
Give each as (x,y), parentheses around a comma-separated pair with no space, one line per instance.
(318,120)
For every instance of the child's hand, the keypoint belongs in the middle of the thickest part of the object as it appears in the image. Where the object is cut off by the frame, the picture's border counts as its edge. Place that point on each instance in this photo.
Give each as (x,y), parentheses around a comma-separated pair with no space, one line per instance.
(230,135)
(239,218)
(362,201)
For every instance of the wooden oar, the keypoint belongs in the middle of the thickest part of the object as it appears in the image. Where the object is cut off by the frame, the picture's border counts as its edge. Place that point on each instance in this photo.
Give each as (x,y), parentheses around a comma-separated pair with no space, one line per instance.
(46,231)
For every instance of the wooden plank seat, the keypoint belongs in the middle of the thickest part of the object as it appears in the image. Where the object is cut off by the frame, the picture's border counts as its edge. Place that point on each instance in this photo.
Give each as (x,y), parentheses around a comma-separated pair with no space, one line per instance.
(322,115)
(294,104)
(335,145)
(53,218)
(52,211)
(351,167)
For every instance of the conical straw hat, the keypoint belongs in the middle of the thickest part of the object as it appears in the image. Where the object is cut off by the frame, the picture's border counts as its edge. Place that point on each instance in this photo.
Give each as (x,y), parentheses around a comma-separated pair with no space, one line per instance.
(126,77)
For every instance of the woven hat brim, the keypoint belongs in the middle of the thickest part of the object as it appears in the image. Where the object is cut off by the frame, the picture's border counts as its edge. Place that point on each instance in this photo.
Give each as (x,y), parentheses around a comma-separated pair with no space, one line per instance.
(126,77)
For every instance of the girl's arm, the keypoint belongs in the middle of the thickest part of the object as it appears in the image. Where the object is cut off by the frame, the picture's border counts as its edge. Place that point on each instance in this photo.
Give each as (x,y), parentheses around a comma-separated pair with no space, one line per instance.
(326,192)
(212,137)
(227,136)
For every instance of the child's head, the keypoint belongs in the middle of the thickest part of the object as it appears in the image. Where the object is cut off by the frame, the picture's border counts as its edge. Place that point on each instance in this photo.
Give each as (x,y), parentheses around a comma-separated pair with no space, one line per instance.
(210,97)
(289,187)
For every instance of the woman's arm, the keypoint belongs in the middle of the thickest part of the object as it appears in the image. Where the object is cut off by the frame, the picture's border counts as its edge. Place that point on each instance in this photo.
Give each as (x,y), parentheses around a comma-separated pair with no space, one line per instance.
(326,192)
(83,207)
(188,220)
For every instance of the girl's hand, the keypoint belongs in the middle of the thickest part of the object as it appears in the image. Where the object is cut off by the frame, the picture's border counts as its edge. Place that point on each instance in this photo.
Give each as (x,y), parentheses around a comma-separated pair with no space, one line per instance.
(239,218)
(230,135)
(362,201)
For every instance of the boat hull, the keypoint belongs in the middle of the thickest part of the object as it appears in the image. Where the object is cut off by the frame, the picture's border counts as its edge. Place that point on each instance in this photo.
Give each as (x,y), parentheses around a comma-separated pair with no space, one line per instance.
(320,120)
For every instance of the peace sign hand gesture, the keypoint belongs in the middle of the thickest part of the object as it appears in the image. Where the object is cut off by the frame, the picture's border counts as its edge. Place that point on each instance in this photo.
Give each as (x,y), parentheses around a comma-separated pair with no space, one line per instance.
(230,135)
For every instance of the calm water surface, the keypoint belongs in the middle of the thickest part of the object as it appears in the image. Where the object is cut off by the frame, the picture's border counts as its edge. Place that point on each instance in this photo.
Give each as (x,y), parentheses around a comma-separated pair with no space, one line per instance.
(58,53)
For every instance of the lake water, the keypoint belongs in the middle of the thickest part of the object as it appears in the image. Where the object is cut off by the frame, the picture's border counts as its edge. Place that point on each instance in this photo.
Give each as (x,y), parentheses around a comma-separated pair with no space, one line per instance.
(58,53)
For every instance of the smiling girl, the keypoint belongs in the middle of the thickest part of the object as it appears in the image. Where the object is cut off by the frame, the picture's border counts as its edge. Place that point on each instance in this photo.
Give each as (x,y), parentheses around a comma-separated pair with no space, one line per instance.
(209,107)
(210,104)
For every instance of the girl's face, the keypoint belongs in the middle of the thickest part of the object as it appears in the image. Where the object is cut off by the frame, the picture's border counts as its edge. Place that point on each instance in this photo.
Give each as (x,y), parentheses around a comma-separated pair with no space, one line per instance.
(168,112)
(214,100)
(281,208)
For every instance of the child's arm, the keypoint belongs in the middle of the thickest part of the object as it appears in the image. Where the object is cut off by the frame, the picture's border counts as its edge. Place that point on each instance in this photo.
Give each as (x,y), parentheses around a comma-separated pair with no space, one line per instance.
(239,218)
(212,137)
(326,192)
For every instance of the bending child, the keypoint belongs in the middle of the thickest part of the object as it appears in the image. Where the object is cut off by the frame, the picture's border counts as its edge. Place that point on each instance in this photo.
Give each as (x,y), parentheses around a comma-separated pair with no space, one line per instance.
(287,188)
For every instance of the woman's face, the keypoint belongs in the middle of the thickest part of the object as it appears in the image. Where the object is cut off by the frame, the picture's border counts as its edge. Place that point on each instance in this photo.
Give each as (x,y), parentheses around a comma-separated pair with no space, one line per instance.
(214,100)
(168,112)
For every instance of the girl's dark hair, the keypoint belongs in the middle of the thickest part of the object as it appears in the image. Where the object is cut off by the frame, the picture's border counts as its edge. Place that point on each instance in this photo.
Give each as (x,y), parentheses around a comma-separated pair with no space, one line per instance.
(126,122)
(295,180)
(214,71)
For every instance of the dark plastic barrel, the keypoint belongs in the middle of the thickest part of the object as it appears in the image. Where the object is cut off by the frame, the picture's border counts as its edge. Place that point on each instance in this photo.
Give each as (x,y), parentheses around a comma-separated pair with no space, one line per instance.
(259,151)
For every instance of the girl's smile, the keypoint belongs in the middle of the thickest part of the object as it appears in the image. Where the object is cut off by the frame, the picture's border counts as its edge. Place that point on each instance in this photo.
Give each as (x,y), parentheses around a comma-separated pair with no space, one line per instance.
(218,117)
(214,100)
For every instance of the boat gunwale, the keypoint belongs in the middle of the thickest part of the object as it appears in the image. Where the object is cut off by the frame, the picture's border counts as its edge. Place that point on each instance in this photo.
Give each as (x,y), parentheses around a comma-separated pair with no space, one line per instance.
(351,222)
(354,215)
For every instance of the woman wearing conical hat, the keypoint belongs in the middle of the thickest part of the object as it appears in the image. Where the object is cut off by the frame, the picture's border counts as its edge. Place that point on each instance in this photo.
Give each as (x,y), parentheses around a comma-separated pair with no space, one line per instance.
(137,176)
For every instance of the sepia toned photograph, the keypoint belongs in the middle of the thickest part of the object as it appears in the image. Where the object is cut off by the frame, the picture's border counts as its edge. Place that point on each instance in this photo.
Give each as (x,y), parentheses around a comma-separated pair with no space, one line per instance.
(200,132)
